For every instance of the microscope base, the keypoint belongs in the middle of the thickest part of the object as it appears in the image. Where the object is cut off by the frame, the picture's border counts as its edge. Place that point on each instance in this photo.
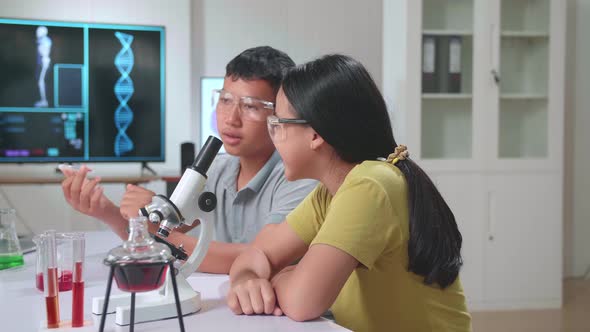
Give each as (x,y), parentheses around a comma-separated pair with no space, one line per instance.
(150,306)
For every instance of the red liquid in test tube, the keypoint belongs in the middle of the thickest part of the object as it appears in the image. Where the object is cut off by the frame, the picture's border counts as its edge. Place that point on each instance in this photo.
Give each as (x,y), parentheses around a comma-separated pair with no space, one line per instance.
(51,299)
(78,281)
(52,307)
(50,281)
(78,298)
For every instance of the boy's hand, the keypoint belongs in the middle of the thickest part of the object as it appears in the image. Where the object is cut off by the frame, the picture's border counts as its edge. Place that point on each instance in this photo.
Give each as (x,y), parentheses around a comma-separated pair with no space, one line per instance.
(85,195)
(134,199)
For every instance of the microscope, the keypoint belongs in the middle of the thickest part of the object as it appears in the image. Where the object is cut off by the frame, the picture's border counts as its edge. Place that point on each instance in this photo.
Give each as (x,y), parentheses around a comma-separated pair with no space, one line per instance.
(187,203)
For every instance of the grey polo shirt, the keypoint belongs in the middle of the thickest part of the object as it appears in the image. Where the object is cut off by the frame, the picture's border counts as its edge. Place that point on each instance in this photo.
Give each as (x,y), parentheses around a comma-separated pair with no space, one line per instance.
(266,199)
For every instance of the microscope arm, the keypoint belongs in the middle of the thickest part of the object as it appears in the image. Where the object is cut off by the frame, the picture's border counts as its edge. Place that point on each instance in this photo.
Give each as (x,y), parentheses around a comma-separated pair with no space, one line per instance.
(188,202)
(185,196)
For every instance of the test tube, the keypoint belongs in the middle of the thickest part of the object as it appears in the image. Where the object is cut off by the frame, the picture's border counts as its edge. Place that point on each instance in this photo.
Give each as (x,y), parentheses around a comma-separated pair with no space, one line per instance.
(50,286)
(79,243)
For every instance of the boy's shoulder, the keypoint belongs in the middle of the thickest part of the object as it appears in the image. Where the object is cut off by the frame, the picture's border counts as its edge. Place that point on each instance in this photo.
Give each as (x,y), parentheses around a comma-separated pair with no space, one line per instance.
(225,168)
(278,176)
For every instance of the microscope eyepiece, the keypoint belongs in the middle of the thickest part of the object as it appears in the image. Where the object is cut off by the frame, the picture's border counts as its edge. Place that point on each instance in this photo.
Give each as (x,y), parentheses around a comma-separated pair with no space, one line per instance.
(206,155)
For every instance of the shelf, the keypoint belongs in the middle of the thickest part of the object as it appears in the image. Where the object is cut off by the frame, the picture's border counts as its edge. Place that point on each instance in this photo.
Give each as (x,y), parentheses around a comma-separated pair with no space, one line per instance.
(522,96)
(446,129)
(443,74)
(524,34)
(525,15)
(447,32)
(447,96)
(524,64)
(523,129)
(447,15)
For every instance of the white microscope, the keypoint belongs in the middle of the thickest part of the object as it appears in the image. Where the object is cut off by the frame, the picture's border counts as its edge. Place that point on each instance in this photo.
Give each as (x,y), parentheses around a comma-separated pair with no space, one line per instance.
(187,203)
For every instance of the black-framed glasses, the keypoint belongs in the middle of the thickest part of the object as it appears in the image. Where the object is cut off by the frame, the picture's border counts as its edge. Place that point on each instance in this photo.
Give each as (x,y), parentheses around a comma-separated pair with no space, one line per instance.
(275,126)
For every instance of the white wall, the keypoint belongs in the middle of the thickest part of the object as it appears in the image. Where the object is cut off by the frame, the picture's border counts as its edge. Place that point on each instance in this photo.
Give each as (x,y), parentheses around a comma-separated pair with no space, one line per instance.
(304,29)
(395,45)
(577,163)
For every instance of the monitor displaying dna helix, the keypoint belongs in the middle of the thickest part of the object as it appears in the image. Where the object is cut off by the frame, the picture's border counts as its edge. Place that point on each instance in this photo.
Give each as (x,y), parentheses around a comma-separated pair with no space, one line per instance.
(81,92)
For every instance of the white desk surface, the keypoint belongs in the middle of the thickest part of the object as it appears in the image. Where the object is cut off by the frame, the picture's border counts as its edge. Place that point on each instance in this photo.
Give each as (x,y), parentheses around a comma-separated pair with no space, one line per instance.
(22,305)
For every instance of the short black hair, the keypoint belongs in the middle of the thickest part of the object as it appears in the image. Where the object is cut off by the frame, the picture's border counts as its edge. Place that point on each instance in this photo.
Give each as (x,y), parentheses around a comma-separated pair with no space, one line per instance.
(260,63)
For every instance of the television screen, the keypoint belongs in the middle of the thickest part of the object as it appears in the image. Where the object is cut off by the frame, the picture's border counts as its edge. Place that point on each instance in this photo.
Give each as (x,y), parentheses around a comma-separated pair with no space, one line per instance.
(208,118)
(81,92)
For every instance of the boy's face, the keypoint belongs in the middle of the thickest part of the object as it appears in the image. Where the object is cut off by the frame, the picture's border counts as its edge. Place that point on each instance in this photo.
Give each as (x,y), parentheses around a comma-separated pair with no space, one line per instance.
(241,136)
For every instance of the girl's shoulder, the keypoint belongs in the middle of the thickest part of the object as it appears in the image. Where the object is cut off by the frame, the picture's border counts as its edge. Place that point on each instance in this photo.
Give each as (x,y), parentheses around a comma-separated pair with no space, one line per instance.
(380,172)
(377,177)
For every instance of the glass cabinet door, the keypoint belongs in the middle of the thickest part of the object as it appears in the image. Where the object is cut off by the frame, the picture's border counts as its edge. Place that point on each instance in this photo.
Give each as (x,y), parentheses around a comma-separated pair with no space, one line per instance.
(447,75)
(523,79)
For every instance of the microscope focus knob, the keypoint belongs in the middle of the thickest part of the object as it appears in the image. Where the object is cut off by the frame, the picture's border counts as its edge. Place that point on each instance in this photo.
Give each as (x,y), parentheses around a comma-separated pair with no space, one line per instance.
(207,201)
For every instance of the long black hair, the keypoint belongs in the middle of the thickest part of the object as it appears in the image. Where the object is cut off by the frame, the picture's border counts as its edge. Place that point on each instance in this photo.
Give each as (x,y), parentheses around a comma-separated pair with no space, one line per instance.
(342,103)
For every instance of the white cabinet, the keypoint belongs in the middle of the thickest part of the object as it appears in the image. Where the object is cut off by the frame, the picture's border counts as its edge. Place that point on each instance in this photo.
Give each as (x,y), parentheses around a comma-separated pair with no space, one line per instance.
(523,258)
(463,194)
(475,89)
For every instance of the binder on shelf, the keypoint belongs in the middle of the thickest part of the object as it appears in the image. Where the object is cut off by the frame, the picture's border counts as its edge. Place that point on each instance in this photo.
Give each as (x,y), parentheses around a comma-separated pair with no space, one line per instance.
(429,65)
(454,76)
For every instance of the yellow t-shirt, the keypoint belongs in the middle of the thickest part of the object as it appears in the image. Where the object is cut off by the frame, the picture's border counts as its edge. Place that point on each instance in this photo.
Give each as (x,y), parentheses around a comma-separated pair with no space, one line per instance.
(368,219)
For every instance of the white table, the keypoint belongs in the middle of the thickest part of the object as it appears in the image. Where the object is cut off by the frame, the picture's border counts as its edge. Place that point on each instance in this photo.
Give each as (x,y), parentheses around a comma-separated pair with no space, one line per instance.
(22,305)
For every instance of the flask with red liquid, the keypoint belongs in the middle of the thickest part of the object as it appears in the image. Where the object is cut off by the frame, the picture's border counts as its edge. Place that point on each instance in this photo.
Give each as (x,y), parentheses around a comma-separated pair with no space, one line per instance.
(140,264)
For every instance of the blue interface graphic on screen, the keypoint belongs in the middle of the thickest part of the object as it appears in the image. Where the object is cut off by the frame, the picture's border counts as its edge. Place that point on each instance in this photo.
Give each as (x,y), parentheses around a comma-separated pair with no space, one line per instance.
(123,92)
(81,92)
(208,119)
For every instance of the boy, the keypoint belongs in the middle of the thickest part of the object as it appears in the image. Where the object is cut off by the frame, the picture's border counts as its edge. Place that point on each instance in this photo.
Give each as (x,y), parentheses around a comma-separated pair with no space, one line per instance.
(249,181)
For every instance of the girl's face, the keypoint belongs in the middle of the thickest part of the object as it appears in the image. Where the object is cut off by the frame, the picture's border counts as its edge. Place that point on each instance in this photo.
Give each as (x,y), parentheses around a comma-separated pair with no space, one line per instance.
(292,141)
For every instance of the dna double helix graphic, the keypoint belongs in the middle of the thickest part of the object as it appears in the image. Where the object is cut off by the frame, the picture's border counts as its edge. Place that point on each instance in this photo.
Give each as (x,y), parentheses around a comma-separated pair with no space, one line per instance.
(123,91)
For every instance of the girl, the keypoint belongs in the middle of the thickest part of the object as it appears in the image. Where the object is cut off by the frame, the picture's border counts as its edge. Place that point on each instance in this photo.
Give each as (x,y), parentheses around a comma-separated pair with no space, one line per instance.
(376,241)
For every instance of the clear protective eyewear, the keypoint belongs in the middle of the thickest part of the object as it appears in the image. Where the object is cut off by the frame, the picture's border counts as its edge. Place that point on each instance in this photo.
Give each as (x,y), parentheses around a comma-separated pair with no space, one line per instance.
(249,107)
(276,128)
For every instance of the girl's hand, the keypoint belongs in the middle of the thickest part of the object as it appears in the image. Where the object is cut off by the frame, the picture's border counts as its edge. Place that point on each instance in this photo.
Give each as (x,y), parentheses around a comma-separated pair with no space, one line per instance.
(282,273)
(253,296)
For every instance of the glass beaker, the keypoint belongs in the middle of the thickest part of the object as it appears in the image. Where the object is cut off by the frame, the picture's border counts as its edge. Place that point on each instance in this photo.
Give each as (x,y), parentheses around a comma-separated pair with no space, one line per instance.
(64,243)
(10,252)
